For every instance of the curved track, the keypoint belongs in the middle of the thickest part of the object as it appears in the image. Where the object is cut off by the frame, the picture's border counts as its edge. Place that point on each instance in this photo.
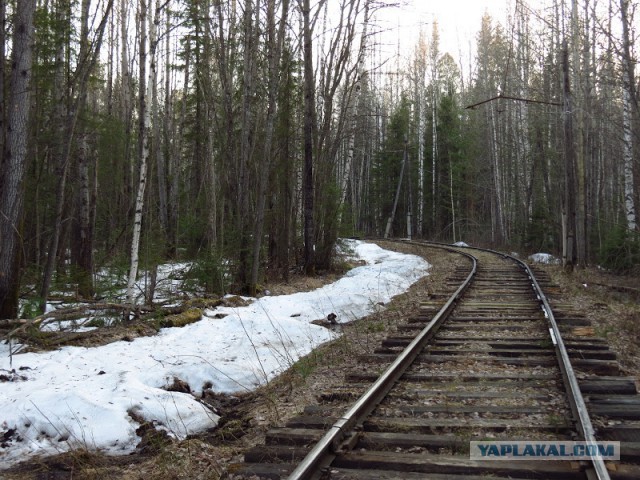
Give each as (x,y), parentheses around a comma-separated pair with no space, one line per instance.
(486,362)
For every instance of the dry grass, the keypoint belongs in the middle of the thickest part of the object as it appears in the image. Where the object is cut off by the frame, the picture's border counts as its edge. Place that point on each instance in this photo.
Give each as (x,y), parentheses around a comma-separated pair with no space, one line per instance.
(614,313)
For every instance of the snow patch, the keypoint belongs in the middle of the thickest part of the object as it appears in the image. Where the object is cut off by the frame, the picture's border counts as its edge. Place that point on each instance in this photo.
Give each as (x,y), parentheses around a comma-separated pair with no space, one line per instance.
(460,244)
(545,258)
(93,397)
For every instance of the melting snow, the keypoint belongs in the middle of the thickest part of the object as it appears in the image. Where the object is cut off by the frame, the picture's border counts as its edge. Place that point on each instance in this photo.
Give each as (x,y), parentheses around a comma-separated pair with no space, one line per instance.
(544,258)
(93,397)
(460,244)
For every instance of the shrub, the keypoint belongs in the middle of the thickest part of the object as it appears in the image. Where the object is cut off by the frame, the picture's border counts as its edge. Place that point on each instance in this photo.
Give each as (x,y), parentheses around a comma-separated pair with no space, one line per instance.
(620,250)
(208,273)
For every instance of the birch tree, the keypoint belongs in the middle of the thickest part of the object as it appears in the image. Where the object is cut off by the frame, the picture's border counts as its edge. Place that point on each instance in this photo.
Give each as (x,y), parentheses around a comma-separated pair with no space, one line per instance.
(628,87)
(144,132)
(420,76)
(355,100)
(434,53)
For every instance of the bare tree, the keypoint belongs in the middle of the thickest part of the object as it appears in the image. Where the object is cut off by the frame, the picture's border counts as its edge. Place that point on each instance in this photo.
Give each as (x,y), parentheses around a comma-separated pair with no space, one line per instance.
(355,100)
(337,75)
(420,74)
(144,130)
(87,58)
(309,106)
(434,53)
(275,44)
(569,204)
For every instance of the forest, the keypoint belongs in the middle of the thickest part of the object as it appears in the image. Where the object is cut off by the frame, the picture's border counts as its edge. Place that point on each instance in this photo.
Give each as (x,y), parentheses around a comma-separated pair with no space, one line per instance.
(248,136)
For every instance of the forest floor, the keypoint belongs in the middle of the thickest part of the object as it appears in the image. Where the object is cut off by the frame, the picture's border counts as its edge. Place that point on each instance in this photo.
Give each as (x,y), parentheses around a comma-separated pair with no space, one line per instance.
(246,418)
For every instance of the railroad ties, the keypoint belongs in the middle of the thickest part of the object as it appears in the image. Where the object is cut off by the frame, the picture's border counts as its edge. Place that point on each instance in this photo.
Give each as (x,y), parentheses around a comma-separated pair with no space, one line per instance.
(489,372)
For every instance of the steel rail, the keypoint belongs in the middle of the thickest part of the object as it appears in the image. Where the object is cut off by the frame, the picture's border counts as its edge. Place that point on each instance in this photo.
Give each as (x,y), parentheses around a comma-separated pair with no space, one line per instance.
(576,400)
(327,447)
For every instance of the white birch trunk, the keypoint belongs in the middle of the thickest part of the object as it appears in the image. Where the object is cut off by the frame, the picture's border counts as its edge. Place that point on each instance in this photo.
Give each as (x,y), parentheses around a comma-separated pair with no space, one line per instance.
(145,150)
(627,120)
(434,53)
(627,155)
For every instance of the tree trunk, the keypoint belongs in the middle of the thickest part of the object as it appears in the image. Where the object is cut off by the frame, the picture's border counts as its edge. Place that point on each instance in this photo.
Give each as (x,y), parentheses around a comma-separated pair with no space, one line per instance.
(579,104)
(84,231)
(111,62)
(498,221)
(387,230)
(355,100)
(61,117)
(3,14)
(87,58)
(160,158)
(15,158)
(284,221)
(627,121)
(569,213)
(274,50)
(83,236)
(589,178)
(126,99)
(434,53)
(421,133)
(144,144)
(170,183)
(309,107)
(246,146)
(434,163)
(177,154)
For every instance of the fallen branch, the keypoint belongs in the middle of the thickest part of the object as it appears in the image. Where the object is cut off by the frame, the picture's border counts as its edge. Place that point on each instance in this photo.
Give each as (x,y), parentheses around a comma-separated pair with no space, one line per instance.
(174,315)
(73,313)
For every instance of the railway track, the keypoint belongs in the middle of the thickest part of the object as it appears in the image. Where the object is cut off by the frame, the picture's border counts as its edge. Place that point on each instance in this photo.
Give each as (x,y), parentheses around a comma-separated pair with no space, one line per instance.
(484,360)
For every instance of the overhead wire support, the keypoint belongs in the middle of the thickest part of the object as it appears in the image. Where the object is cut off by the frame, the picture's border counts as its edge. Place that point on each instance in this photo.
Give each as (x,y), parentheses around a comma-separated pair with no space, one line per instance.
(517,99)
